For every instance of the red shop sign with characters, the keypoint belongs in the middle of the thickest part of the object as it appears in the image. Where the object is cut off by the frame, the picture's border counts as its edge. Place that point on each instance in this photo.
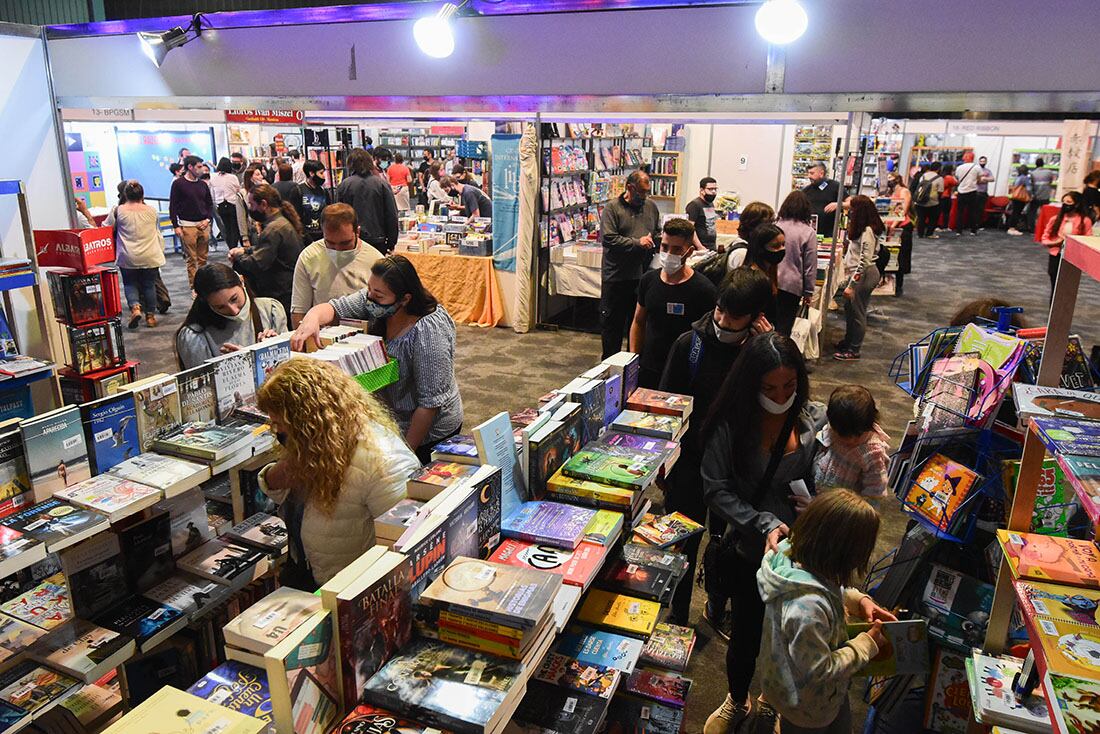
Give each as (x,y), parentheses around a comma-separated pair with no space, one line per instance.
(273,117)
(74,248)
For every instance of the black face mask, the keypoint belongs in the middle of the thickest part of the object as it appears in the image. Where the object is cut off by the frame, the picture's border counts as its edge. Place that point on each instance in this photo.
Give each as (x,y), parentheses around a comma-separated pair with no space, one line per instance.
(317,180)
(238,166)
(774,257)
(709,198)
(258,215)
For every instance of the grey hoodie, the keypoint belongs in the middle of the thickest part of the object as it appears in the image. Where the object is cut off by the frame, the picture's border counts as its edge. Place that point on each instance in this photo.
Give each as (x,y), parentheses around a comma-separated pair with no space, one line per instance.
(806,660)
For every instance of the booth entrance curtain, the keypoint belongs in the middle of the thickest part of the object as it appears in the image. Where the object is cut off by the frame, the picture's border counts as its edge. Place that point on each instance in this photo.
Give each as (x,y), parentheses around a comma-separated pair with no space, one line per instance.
(525,234)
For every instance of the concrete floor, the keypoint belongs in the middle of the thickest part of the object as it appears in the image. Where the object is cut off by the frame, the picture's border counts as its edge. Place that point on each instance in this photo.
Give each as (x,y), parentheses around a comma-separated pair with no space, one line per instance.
(500,370)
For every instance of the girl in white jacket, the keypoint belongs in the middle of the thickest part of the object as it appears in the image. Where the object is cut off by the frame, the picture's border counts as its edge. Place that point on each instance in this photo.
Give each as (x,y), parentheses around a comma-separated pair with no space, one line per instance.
(806,659)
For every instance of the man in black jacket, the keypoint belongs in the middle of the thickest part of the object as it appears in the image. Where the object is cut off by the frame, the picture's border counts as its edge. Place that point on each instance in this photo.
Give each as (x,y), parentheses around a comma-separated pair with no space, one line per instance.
(372,199)
(697,365)
(823,193)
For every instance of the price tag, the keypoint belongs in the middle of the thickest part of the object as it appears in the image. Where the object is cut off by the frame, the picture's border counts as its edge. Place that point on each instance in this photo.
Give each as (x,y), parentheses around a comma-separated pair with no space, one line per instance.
(645,713)
(158,613)
(265,619)
(570,705)
(309,651)
(667,558)
(68,443)
(485,573)
(634,608)
(35,525)
(1048,627)
(101,436)
(477,669)
(624,645)
(632,568)
(1040,607)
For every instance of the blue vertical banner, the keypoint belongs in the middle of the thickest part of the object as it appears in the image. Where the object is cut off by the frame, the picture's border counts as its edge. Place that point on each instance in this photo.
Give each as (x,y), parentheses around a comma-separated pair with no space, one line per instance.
(505,200)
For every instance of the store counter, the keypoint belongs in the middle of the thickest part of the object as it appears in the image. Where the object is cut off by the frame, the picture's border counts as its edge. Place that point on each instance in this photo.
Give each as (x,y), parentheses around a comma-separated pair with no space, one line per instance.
(1048,212)
(466,285)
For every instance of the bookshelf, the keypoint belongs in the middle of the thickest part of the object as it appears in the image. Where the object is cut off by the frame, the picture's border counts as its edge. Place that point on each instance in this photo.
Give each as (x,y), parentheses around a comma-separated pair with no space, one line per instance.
(952,154)
(412,143)
(665,172)
(812,144)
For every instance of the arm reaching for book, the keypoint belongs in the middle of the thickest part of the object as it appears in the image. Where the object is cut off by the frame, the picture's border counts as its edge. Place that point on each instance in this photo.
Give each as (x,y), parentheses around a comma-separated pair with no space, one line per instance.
(309,329)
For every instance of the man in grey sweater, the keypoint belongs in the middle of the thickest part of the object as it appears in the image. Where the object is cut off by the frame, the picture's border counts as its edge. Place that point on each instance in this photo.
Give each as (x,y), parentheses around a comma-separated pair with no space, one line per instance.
(630,227)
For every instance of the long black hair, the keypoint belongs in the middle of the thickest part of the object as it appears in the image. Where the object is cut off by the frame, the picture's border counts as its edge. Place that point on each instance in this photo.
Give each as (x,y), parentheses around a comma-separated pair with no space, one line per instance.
(738,402)
(209,279)
(1078,208)
(759,239)
(400,276)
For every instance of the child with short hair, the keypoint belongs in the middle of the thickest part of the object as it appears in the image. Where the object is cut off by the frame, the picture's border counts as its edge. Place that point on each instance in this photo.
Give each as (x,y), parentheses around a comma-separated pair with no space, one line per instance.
(806,659)
(852,449)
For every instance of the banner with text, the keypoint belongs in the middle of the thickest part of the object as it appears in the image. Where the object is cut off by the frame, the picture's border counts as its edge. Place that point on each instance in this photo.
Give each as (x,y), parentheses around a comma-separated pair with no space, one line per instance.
(1076,146)
(505,191)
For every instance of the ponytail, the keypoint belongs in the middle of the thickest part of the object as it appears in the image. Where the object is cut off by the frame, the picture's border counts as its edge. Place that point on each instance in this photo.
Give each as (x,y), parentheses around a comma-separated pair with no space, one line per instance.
(291,215)
(268,193)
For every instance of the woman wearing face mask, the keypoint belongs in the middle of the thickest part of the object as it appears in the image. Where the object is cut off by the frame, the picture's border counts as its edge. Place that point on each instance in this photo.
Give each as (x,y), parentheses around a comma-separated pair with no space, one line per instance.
(697,364)
(767,248)
(865,230)
(224,317)
(797,272)
(1074,218)
(670,300)
(341,465)
(419,334)
(759,442)
(269,262)
(249,230)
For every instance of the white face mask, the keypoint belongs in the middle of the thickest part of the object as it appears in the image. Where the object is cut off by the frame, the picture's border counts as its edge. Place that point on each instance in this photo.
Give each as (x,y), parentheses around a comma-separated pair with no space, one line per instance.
(341,258)
(776,408)
(670,263)
(246,310)
(729,336)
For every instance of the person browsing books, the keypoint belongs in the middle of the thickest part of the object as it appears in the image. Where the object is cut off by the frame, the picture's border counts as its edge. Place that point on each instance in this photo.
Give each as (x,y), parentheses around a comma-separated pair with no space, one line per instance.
(698,362)
(1073,218)
(630,226)
(269,263)
(670,300)
(796,273)
(700,211)
(224,317)
(865,230)
(901,218)
(342,463)
(759,437)
(807,661)
(472,201)
(337,265)
(419,334)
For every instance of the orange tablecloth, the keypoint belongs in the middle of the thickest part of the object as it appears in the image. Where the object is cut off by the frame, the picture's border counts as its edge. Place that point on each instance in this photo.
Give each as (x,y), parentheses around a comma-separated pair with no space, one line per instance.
(466,285)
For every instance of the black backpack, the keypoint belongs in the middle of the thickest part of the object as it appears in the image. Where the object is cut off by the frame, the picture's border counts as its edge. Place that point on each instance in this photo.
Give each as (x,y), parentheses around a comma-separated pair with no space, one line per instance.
(716,267)
(924,190)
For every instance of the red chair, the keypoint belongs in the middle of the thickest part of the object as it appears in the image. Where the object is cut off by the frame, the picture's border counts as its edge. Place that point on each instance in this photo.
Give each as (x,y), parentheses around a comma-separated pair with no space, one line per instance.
(996,207)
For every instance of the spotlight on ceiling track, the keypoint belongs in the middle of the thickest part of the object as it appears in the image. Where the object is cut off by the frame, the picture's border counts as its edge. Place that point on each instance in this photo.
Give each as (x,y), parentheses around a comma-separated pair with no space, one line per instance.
(433,33)
(781,21)
(157,45)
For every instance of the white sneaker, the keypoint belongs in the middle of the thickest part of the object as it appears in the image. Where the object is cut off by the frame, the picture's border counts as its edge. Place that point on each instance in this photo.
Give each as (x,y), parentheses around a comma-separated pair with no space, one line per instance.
(727,717)
(1014,232)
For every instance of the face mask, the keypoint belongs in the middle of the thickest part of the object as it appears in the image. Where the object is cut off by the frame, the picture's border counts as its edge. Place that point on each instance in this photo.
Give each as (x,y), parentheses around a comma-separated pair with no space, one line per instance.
(317,180)
(670,263)
(377,311)
(637,199)
(257,214)
(341,258)
(238,166)
(774,257)
(729,336)
(776,408)
(281,438)
(709,198)
(245,313)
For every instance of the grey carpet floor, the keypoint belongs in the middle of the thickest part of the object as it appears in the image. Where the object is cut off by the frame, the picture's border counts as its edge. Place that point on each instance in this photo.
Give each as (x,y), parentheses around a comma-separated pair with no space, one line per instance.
(500,370)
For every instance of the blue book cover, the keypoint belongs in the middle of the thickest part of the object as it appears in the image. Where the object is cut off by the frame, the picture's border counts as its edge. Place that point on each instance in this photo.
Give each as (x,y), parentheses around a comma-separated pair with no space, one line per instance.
(591,400)
(552,523)
(268,355)
(1070,436)
(110,425)
(496,445)
(461,528)
(139,618)
(613,398)
(16,403)
(238,687)
(595,647)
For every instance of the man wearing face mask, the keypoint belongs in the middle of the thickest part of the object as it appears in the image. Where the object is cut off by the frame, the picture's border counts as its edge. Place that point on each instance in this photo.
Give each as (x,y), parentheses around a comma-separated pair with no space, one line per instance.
(332,267)
(314,200)
(240,163)
(697,365)
(268,264)
(701,213)
(630,227)
(669,301)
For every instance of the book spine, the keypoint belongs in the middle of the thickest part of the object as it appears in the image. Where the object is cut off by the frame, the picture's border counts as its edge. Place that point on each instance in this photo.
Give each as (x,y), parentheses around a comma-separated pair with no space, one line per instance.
(478,643)
(472,628)
(588,501)
(541,539)
(476,619)
(663,661)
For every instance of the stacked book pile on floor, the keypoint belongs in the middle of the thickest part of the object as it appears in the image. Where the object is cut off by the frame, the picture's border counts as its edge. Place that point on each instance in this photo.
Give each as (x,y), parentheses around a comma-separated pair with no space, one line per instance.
(487,606)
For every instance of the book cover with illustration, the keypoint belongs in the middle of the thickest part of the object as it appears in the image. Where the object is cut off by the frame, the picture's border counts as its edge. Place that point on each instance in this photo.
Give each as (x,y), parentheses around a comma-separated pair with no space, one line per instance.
(1055,500)
(110,495)
(450,687)
(938,490)
(437,476)
(619,612)
(1076,704)
(15,481)
(198,402)
(56,453)
(950,392)
(146,621)
(34,688)
(551,523)
(1049,558)
(1037,401)
(269,354)
(264,531)
(991,684)
(597,647)
(1083,474)
(1069,604)
(646,582)
(367,719)
(645,400)
(1076,374)
(204,441)
(1069,649)
(172,711)
(169,474)
(489,508)
(617,466)
(83,650)
(905,651)
(234,382)
(96,575)
(16,637)
(111,430)
(374,621)
(158,407)
(186,593)
(461,449)
(660,686)
(220,561)
(947,698)
(668,530)
(17,551)
(551,708)
(45,605)
(576,567)
(662,558)
(567,672)
(494,592)
(669,451)
(547,449)
(670,646)
(56,523)
(238,687)
(1069,436)
(957,607)
(594,494)
(668,427)
(188,519)
(301,675)
(627,713)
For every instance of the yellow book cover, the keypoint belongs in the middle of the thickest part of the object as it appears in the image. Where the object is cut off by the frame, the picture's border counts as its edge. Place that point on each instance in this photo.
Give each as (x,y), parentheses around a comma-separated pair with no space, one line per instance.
(474,642)
(1070,650)
(472,623)
(590,490)
(620,612)
(172,711)
(604,528)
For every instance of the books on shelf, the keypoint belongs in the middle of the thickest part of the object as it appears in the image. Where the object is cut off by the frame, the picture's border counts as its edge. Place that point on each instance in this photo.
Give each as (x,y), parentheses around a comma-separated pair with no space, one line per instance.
(198,401)
(15,481)
(56,523)
(619,612)
(1069,436)
(170,474)
(17,551)
(204,441)
(158,407)
(83,650)
(111,496)
(668,427)
(938,490)
(56,453)
(111,427)
(670,646)
(1048,558)
(1035,401)
(222,562)
(234,382)
(551,523)
(267,622)
(15,638)
(148,622)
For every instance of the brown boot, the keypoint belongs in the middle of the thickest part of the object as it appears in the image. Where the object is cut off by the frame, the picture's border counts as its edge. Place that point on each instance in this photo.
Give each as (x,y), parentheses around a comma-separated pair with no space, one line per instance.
(135,316)
(150,320)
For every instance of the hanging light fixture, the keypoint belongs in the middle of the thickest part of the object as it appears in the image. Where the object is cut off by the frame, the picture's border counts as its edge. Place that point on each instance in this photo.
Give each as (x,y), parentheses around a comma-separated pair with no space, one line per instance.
(157,45)
(780,22)
(433,33)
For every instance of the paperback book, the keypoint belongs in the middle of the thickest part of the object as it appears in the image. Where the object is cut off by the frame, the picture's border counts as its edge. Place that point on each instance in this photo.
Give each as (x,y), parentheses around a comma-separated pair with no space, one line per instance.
(432,479)
(1069,436)
(1036,401)
(301,673)
(17,551)
(169,474)
(15,481)
(660,686)
(15,638)
(461,449)
(550,523)
(668,560)
(95,574)
(204,441)
(269,354)
(1049,558)
(186,593)
(551,708)
(34,688)
(220,561)
(619,612)
(45,605)
(56,523)
(234,382)
(263,531)
(367,719)
(172,710)
(670,646)
(198,403)
(188,519)
(668,530)
(83,650)
(147,550)
(148,622)
(596,647)
(617,466)
(939,489)
(57,455)
(645,582)
(668,427)
(111,496)
(567,672)
(237,687)
(643,717)
(645,400)
(576,567)
(111,429)
(493,592)
(158,407)
(559,487)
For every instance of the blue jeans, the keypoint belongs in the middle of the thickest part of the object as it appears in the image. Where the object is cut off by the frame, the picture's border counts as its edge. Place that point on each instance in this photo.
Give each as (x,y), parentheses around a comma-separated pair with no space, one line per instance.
(140,285)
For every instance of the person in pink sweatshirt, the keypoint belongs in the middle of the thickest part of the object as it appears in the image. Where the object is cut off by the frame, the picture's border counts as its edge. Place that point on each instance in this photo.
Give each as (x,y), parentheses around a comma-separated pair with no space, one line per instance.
(1074,218)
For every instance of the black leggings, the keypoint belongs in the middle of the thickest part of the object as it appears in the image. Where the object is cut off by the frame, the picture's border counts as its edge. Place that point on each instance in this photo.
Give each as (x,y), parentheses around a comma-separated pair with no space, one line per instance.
(926,220)
(748,626)
(1015,216)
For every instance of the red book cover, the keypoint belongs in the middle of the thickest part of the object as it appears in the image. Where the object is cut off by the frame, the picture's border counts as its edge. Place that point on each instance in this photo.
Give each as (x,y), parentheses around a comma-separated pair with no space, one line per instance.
(367,719)
(576,567)
(74,248)
(659,686)
(656,401)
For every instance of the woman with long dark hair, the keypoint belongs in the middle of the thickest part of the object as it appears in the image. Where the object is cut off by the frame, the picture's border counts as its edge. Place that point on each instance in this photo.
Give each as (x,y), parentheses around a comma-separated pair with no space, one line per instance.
(797,273)
(419,334)
(269,262)
(1073,218)
(865,229)
(759,439)
(224,317)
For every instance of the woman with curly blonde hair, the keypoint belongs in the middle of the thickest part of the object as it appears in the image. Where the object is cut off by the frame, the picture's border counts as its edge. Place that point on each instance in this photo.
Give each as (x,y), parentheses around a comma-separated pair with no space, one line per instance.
(343,463)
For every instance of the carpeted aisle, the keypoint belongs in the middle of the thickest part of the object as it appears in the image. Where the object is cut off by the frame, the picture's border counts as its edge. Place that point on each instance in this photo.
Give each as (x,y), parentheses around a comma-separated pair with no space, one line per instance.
(500,370)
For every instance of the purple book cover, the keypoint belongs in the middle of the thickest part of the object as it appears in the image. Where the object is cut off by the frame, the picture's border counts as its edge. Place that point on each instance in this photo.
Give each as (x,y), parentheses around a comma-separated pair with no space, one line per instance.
(638,442)
(1070,436)
(552,523)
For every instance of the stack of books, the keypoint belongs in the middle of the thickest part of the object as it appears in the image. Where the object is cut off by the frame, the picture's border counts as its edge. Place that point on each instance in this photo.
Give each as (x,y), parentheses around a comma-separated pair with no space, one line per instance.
(354,354)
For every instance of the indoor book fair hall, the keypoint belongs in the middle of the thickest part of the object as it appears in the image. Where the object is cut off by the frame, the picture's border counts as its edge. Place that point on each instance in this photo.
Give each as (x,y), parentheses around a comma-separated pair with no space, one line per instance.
(549,367)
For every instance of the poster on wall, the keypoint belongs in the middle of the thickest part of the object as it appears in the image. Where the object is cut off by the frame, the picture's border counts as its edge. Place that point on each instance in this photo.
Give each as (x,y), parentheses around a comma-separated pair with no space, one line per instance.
(1076,146)
(505,200)
(146,155)
(86,171)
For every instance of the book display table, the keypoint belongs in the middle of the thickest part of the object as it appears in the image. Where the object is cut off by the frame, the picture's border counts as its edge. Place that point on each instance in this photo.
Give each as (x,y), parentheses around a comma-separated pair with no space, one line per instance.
(466,285)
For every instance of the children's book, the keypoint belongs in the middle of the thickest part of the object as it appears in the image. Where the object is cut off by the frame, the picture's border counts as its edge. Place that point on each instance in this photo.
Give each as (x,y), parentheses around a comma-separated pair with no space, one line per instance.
(1076,374)
(1068,604)
(670,646)
(1055,500)
(597,647)
(994,701)
(668,530)
(905,651)
(1076,703)
(950,392)
(1069,436)
(940,487)
(947,697)
(594,680)
(45,606)
(1047,558)
(1036,401)
(1083,474)
(957,607)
